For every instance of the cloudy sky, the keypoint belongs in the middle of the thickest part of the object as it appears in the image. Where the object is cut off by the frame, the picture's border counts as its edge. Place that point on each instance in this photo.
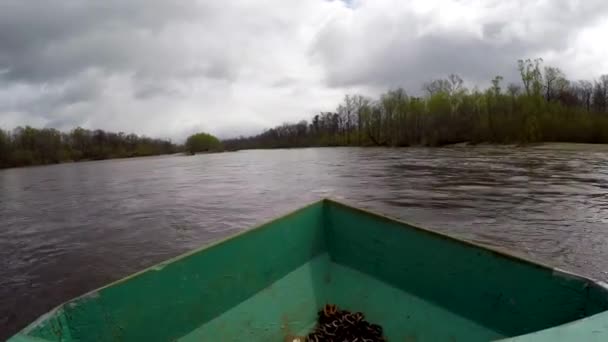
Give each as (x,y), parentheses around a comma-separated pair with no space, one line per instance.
(168,68)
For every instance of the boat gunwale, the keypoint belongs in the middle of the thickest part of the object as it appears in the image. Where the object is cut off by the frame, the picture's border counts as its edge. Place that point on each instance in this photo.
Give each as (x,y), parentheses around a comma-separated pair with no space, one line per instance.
(493,249)
(556,271)
(24,332)
(160,265)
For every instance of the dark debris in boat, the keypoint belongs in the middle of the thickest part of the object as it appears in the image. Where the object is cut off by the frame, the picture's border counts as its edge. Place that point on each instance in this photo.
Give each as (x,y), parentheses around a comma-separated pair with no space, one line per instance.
(334,325)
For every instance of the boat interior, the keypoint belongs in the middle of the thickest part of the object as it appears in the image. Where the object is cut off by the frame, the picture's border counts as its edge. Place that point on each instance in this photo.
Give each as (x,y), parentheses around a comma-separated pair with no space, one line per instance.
(268,283)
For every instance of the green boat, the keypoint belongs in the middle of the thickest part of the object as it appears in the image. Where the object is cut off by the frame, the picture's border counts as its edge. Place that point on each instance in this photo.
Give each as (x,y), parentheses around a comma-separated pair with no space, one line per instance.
(268,283)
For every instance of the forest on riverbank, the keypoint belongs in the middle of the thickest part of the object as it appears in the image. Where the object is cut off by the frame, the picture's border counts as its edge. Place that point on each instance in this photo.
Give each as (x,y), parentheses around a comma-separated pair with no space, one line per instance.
(25,146)
(544,106)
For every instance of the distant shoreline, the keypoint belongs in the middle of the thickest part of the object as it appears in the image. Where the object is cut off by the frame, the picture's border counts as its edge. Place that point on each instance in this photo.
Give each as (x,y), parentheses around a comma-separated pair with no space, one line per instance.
(29,146)
(548,145)
(82,161)
(556,146)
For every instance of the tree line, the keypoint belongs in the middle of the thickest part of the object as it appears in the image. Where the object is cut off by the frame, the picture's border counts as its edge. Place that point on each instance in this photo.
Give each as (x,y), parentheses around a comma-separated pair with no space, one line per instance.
(26,146)
(544,106)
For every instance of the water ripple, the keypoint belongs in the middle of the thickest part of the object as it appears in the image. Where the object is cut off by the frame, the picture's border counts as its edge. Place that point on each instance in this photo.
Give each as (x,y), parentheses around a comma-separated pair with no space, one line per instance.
(68,228)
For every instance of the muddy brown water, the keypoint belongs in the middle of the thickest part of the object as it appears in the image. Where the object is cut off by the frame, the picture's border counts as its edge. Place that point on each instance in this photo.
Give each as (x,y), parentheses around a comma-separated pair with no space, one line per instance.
(66,229)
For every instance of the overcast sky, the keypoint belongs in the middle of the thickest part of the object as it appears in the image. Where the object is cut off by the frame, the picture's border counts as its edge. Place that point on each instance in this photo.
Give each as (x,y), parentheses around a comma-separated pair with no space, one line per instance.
(168,68)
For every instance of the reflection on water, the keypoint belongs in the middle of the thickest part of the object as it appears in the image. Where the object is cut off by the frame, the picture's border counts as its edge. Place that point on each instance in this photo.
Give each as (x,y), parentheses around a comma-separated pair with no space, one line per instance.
(66,229)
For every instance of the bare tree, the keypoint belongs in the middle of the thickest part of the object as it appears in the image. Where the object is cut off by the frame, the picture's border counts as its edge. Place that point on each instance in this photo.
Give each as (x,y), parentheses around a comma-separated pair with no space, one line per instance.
(600,94)
(347,113)
(531,75)
(436,86)
(555,82)
(496,85)
(455,84)
(514,89)
(585,90)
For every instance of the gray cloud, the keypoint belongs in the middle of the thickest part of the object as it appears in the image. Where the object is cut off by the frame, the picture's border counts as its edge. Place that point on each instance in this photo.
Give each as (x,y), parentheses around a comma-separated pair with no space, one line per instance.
(168,68)
(405,47)
(44,41)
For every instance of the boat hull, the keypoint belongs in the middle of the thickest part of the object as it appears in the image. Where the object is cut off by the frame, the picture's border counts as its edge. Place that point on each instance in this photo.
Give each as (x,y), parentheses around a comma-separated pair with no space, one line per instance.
(267,284)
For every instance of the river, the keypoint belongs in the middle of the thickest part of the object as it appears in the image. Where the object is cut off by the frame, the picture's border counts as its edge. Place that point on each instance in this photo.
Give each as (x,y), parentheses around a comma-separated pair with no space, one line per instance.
(66,229)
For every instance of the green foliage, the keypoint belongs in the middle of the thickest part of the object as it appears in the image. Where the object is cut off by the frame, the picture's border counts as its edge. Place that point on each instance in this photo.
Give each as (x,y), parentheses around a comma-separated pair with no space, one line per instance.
(202,142)
(30,146)
(547,108)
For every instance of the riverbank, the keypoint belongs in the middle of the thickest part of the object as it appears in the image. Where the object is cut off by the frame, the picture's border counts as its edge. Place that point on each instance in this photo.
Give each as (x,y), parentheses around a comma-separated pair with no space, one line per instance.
(28,146)
(90,161)
(555,146)
(565,146)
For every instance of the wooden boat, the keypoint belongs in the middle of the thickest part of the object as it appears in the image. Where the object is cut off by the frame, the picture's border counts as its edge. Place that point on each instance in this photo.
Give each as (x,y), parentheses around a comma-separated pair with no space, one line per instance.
(267,283)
